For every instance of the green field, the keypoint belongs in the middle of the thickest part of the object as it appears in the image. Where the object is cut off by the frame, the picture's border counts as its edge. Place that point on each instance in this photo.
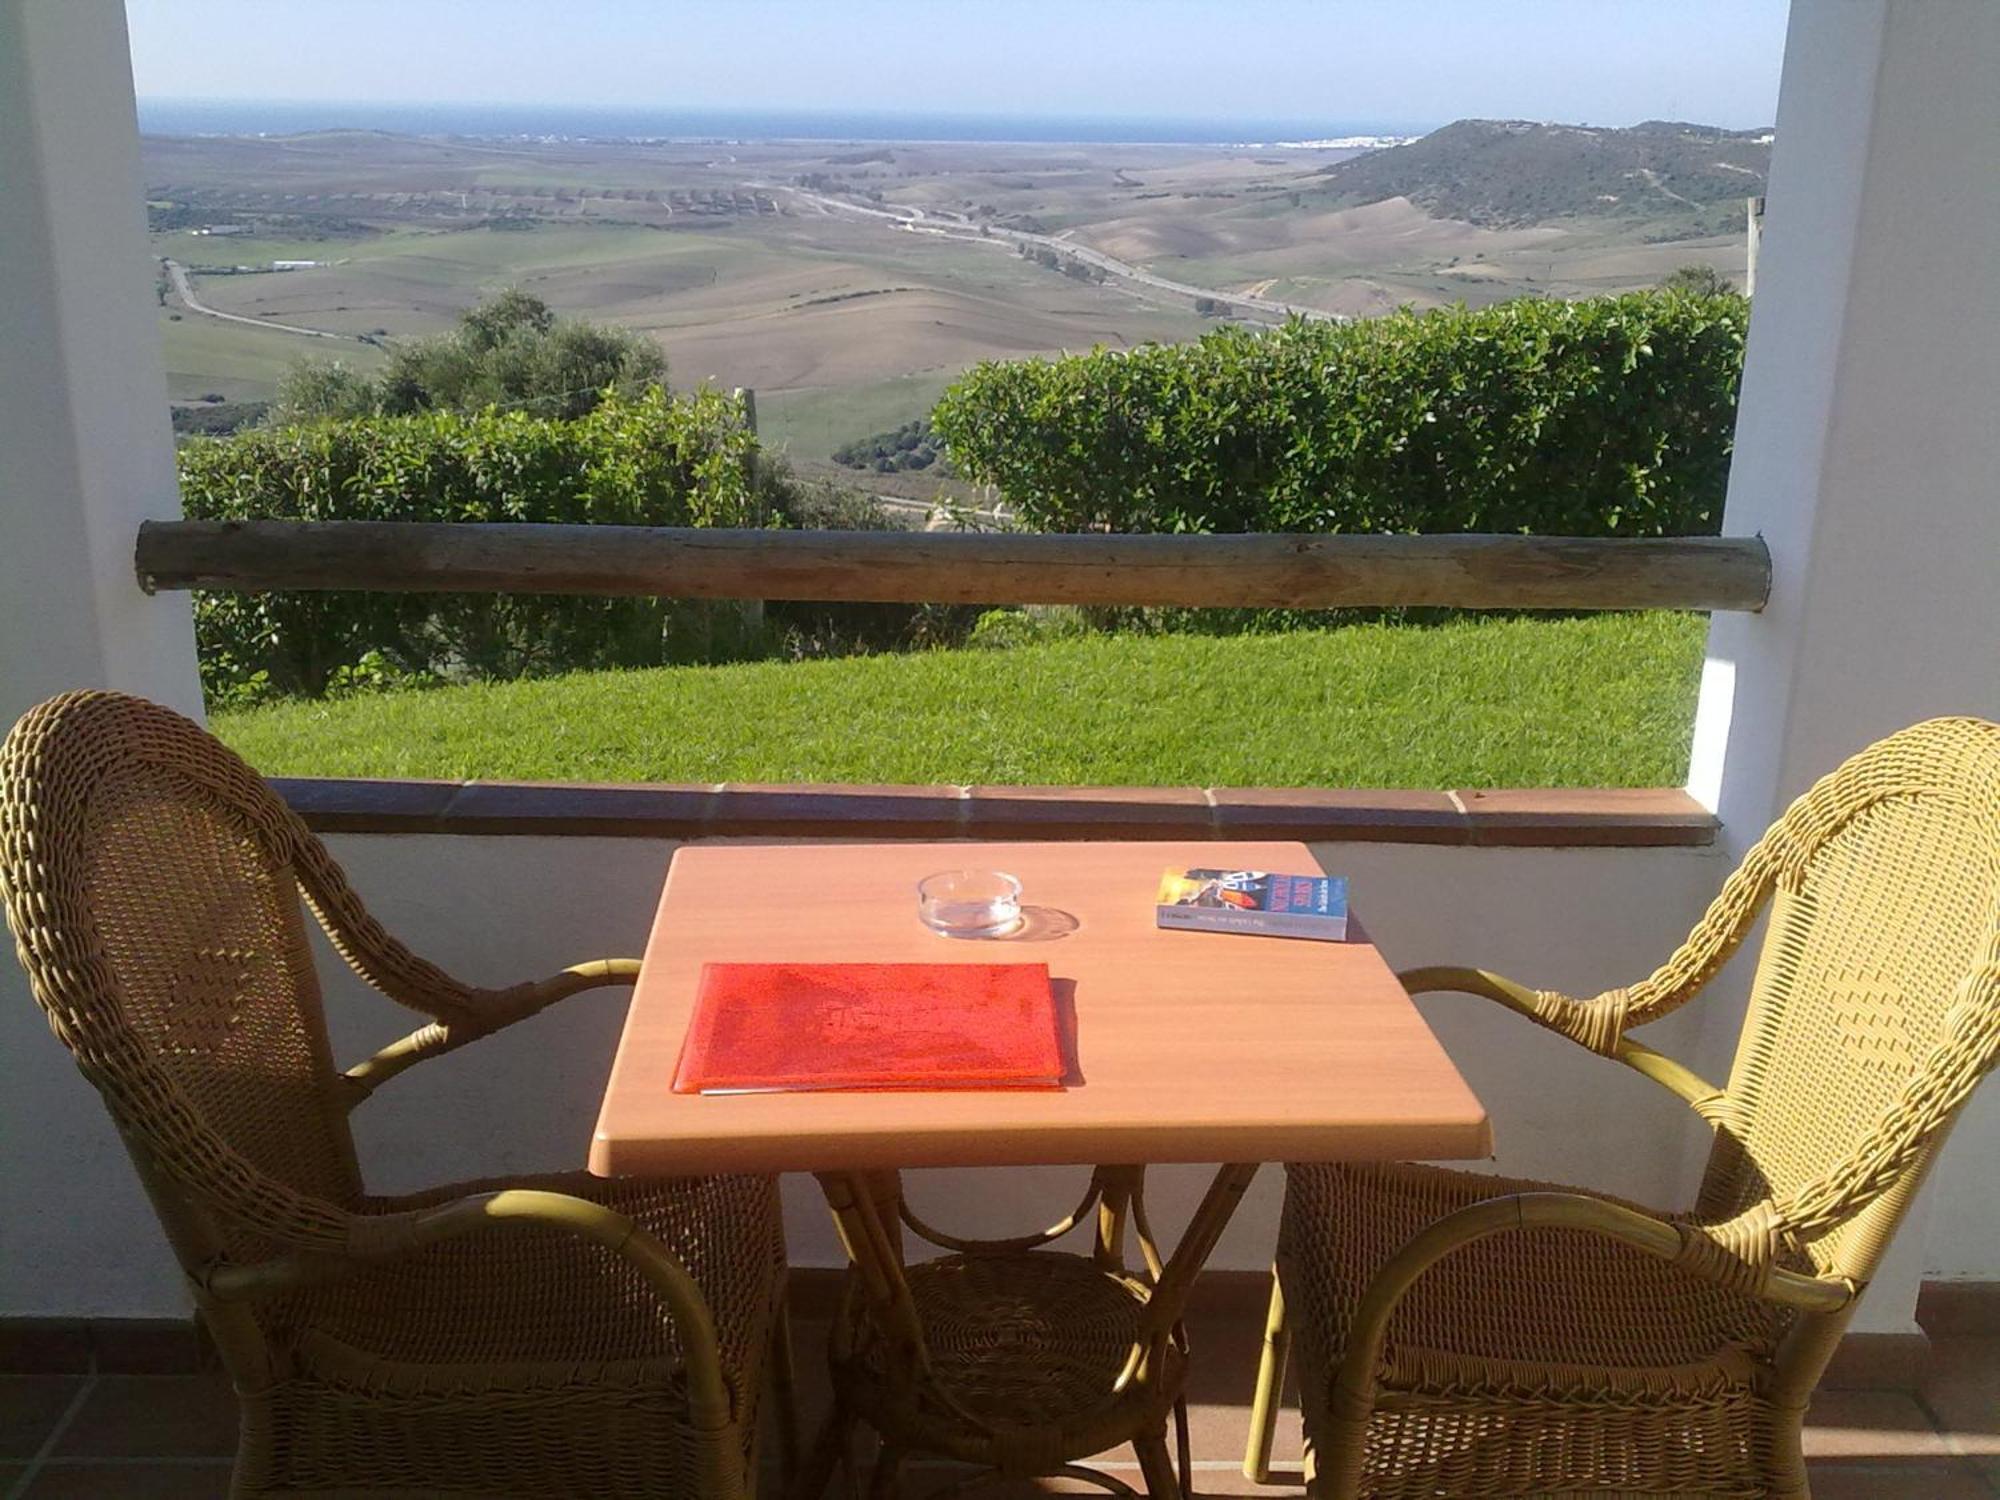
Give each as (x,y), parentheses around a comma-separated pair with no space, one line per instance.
(239,363)
(851,327)
(810,424)
(1603,701)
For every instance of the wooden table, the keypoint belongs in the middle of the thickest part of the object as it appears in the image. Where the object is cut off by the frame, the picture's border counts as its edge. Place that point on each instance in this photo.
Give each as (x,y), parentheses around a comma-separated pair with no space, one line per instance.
(1188,1047)
(1193,1046)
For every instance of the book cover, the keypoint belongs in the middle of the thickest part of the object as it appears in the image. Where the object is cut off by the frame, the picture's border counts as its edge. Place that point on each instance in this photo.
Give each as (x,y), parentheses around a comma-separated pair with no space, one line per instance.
(1307,906)
(778,1027)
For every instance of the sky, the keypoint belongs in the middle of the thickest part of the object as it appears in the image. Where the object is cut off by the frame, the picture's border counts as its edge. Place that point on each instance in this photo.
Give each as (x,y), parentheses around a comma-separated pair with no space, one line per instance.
(1386,62)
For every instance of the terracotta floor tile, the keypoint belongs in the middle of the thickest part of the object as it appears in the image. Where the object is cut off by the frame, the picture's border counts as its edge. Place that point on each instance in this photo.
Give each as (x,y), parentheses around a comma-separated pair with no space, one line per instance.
(30,1406)
(1864,1426)
(1932,1479)
(154,1416)
(1207,1483)
(84,1479)
(1219,1433)
(1961,1389)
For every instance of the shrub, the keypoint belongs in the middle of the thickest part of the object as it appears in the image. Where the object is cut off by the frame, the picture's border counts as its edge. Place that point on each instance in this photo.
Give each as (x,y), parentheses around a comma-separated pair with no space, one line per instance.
(1700,280)
(1606,417)
(911,446)
(1034,625)
(509,351)
(652,460)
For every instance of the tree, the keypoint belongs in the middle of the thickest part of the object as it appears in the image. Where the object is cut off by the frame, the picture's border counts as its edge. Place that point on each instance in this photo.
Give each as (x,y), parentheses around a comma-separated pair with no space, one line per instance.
(511,351)
(1701,281)
(315,389)
(499,318)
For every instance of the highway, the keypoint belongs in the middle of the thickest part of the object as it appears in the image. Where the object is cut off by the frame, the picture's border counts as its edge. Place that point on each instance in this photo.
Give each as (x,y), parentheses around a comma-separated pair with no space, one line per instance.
(957,227)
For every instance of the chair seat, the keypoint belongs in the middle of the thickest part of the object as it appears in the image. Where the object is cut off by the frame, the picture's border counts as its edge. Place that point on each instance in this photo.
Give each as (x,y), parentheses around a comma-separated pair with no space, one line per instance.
(1031,1344)
(521,1349)
(1640,1377)
(526,1298)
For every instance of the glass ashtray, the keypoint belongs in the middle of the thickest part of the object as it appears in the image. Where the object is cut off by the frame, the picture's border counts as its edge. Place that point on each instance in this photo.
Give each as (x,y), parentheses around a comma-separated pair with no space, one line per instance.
(970,903)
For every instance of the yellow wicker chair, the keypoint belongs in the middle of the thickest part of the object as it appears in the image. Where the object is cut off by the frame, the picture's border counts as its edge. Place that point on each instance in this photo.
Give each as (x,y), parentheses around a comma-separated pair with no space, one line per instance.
(556,1336)
(1465,1335)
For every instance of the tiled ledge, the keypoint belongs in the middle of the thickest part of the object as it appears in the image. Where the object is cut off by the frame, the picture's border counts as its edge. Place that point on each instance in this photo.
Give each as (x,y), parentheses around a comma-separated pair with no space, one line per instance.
(1510,818)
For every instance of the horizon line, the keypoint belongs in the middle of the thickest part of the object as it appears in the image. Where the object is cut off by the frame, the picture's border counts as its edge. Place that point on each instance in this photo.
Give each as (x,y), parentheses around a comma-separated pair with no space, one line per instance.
(603,107)
(1346,126)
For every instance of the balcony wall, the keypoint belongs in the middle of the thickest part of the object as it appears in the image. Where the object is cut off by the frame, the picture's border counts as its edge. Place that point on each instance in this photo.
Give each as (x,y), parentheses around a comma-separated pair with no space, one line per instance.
(80,1241)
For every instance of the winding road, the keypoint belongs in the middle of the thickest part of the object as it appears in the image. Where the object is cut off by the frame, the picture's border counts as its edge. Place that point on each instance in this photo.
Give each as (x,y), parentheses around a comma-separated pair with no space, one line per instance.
(184,289)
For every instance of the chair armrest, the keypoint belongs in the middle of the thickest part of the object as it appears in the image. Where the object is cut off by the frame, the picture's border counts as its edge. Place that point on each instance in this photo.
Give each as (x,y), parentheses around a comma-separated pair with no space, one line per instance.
(1353,1396)
(1596,1024)
(375,1242)
(490,1011)
(1593,1023)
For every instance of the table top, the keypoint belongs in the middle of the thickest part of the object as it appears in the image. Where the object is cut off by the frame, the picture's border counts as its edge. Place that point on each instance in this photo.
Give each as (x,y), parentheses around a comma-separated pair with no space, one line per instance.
(1189,1046)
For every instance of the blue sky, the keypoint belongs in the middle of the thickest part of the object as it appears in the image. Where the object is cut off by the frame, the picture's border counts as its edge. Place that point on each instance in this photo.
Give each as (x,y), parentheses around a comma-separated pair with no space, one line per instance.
(1608,62)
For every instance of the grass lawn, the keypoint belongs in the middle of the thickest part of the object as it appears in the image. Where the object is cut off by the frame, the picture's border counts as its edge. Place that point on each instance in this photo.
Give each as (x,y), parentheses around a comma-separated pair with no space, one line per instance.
(1604,701)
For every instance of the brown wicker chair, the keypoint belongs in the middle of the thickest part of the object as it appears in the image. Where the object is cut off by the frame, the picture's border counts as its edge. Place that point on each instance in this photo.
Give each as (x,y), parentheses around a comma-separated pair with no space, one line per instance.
(1464,1335)
(612,1340)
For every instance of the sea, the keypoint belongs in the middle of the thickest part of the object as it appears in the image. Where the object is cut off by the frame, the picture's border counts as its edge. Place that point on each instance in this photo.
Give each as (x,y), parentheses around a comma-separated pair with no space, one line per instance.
(571,122)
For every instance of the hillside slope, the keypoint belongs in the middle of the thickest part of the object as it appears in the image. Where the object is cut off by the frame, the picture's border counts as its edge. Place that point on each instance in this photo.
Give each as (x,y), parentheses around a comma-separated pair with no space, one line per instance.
(1510,172)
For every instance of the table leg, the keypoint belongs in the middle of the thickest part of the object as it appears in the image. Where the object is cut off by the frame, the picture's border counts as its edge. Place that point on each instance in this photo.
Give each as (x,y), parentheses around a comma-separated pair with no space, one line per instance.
(1118,1188)
(785,1392)
(865,1207)
(1218,1206)
(830,1451)
(866,1210)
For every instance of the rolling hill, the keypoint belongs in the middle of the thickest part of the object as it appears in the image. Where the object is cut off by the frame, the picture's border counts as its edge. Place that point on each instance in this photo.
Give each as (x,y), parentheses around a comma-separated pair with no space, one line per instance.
(1516,172)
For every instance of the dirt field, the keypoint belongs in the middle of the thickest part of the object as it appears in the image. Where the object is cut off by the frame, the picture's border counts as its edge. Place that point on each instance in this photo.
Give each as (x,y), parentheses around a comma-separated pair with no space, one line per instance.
(793,268)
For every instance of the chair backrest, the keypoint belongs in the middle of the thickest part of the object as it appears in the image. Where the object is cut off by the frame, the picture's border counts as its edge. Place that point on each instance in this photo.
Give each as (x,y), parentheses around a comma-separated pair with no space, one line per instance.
(1875,1008)
(150,878)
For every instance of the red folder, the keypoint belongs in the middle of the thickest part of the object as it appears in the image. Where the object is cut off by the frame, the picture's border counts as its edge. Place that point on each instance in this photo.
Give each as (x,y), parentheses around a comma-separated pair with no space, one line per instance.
(774,1027)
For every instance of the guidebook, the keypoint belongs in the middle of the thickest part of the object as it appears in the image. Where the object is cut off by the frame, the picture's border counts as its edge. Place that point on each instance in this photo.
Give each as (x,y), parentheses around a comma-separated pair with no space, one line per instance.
(1306,906)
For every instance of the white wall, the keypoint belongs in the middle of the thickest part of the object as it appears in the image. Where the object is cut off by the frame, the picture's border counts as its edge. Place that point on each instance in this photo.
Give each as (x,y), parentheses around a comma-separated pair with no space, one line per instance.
(1867,455)
(1574,919)
(498,910)
(80,1240)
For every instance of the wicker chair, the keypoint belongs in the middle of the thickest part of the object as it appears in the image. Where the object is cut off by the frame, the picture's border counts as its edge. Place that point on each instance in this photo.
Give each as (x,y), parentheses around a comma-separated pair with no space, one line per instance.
(611,1340)
(1464,1335)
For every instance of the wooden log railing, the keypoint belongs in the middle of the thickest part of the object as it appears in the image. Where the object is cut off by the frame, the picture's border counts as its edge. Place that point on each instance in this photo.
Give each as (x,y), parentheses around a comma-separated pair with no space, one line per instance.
(1262,570)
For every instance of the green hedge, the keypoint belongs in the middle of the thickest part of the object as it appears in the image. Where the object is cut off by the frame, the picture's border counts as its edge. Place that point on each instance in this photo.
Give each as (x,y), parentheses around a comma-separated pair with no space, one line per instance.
(653,460)
(1605,417)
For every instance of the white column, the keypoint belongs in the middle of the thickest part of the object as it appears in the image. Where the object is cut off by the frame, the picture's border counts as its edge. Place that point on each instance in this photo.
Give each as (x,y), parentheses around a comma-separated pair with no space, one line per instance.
(1868,440)
(86,452)
(85,455)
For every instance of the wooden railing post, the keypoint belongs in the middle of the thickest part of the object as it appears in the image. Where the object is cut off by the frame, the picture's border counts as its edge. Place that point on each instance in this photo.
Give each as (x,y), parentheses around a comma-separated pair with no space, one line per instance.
(750,611)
